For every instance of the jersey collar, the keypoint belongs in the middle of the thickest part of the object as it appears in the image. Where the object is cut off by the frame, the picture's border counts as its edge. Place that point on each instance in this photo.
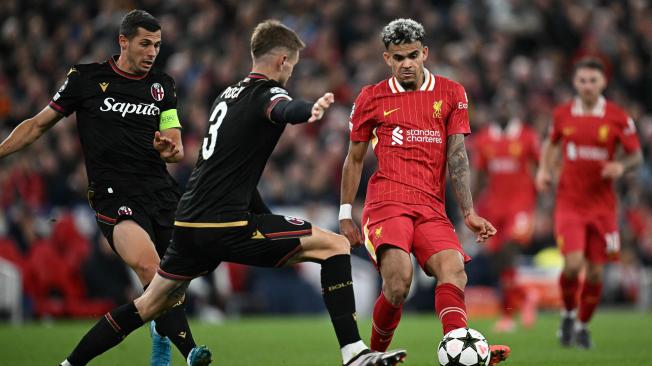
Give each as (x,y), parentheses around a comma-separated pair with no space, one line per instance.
(428,83)
(114,66)
(513,129)
(599,109)
(256,75)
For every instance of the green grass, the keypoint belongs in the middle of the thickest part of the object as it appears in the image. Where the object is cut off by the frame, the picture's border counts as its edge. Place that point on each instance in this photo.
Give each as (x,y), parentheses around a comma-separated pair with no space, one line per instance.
(621,338)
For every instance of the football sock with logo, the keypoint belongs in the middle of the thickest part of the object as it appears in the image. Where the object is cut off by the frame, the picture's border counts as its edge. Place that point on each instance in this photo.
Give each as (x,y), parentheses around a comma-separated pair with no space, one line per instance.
(589,300)
(385,320)
(337,290)
(108,332)
(569,288)
(510,291)
(174,325)
(449,305)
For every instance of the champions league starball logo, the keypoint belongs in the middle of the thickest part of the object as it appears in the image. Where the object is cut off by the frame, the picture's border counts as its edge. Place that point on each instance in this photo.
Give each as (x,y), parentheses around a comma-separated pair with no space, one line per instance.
(125,211)
(157,92)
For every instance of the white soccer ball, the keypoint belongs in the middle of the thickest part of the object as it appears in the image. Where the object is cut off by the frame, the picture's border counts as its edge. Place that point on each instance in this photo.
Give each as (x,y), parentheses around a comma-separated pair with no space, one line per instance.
(463,347)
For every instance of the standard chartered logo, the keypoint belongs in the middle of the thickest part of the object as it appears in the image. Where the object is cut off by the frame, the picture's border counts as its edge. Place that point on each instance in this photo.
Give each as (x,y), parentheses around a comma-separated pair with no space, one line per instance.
(414,135)
(397,136)
(128,108)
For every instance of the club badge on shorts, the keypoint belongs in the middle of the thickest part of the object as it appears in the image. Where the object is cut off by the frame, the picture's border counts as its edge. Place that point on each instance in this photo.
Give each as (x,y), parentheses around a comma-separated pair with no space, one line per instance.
(157,92)
(294,220)
(125,211)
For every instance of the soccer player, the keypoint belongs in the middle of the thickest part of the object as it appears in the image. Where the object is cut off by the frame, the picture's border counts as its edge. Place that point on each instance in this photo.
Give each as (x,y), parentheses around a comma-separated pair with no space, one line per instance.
(589,130)
(504,155)
(222,218)
(416,123)
(129,129)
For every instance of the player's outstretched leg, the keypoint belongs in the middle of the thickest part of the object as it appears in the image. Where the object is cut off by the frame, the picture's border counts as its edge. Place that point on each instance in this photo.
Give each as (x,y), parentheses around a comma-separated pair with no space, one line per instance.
(332,251)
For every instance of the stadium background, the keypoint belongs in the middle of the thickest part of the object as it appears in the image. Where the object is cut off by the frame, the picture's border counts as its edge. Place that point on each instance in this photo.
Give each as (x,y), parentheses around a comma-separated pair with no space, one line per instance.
(520,50)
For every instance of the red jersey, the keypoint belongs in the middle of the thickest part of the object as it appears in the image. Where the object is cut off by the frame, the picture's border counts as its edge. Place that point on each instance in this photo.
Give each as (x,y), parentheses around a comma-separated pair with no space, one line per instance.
(588,140)
(408,131)
(507,158)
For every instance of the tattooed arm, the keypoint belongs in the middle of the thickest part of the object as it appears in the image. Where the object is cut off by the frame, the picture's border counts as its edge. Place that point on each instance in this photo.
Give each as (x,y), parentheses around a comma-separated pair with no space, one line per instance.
(458,169)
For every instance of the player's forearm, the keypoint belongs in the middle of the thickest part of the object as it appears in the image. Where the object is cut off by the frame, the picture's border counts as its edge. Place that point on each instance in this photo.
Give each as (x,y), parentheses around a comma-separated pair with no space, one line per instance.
(23,135)
(351,174)
(547,152)
(458,169)
(176,157)
(631,161)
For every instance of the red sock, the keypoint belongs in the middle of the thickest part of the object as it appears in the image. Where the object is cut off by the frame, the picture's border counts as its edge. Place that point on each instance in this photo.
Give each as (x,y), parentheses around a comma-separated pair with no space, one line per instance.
(569,287)
(449,305)
(510,291)
(385,320)
(589,299)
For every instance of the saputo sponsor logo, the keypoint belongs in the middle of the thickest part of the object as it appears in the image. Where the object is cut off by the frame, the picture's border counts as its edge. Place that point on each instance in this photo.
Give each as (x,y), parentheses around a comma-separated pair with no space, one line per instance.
(110,105)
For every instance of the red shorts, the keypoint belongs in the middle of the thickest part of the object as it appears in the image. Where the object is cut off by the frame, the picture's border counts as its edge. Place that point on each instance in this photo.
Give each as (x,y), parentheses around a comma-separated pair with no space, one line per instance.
(416,229)
(594,235)
(512,226)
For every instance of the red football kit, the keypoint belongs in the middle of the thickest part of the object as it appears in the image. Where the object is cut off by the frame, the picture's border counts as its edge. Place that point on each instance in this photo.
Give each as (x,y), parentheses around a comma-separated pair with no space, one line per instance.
(509,199)
(408,131)
(585,212)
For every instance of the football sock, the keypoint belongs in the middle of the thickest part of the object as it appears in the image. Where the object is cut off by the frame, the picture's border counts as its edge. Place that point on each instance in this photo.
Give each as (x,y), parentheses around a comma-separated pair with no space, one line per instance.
(337,290)
(510,291)
(449,305)
(108,332)
(589,299)
(351,350)
(385,320)
(174,325)
(569,287)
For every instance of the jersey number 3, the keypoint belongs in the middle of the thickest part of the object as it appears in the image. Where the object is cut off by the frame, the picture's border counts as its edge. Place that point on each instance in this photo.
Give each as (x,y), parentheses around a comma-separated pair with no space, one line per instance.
(208,147)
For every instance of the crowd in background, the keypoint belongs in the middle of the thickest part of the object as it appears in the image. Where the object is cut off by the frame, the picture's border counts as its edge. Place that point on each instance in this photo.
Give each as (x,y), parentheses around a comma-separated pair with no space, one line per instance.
(515,49)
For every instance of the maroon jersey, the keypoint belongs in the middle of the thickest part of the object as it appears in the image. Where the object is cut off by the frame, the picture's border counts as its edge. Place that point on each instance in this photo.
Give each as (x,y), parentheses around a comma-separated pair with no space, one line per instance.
(507,157)
(588,140)
(408,131)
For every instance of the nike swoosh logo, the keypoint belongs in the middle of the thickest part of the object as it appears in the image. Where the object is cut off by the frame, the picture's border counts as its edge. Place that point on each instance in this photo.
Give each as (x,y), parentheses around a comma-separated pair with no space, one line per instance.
(387,113)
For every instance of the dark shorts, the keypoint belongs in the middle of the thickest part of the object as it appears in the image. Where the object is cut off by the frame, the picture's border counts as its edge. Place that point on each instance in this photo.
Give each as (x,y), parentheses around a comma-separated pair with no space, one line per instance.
(152,211)
(255,240)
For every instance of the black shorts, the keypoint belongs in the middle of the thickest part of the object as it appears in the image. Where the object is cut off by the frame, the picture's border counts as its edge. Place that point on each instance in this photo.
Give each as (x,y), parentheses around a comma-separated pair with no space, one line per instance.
(152,211)
(255,240)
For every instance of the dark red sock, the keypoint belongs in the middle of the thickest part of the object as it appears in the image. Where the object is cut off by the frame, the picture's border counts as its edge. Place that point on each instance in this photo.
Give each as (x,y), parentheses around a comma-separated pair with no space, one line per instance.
(385,320)
(569,288)
(449,305)
(510,291)
(589,300)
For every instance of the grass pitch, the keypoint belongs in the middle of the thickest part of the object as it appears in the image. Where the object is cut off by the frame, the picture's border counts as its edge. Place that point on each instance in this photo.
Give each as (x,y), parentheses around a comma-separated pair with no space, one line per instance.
(620,337)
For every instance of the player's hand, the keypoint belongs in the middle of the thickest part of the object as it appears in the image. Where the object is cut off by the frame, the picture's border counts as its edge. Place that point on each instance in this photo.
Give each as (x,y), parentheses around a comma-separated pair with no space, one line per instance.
(320,106)
(349,229)
(612,170)
(164,145)
(543,180)
(482,228)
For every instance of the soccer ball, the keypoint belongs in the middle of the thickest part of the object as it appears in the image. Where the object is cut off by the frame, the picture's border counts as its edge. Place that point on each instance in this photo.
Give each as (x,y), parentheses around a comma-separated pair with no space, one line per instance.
(463,347)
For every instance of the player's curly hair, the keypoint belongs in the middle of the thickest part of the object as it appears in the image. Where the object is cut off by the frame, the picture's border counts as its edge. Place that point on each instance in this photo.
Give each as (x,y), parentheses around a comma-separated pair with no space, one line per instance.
(402,31)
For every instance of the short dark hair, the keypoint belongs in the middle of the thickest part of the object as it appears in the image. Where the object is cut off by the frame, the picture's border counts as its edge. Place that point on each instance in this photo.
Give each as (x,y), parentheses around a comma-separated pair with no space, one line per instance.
(271,34)
(402,30)
(589,63)
(138,19)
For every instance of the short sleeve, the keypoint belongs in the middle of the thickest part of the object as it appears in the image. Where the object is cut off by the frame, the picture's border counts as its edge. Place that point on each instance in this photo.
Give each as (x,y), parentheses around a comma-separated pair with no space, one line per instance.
(67,99)
(268,97)
(628,136)
(361,120)
(458,119)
